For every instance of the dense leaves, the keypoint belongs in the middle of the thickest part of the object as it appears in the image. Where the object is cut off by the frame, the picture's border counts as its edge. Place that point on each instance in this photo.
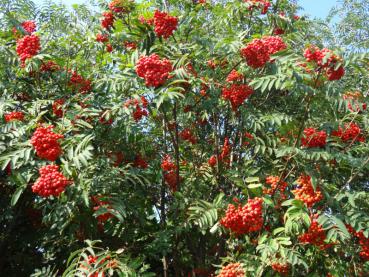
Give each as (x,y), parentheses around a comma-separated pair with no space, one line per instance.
(180,138)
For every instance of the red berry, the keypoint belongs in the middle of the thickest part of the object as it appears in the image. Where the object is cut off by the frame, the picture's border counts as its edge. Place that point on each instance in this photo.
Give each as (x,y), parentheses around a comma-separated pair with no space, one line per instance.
(314,138)
(232,270)
(237,94)
(14,116)
(305,191)
(154,70)
(29,26)
(46,143)
(27,47)
(164,24)
(243,220)
(51,182)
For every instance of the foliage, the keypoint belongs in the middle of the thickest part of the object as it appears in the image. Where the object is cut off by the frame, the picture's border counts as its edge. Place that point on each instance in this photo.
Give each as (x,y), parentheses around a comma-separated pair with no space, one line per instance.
(153,166)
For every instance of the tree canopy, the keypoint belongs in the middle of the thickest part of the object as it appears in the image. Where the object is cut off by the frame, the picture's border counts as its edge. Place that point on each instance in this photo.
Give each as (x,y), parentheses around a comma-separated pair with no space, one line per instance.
(183,138)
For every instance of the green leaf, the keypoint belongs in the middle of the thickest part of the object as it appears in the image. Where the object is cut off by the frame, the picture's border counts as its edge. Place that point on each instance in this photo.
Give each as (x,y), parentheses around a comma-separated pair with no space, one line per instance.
(16,195)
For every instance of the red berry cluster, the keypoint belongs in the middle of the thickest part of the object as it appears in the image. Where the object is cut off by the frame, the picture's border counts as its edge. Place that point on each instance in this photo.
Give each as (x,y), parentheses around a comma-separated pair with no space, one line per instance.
(102,38)
(27,47)
(315,235)
(237,94)
(354,97)
(186,134)
(108,20)
(98,203)
(164,24)
(223,155)
(351,133)
(275,185)
(117,158)
(49,66)
(148,21)
(91,261)
(154,70)
(261,4)
(79,83)
(257,52)
(121,6)
(139,162)
(58,107)
(281,268)
(363,241)
(232,270)
(170,174)
(109,48)
(278,31)
(234,76)
(14,116)
(140,106)
(305,191)
(247,138)
(51,182)
(130,45)
(326,60)
(46,143)
(314,138)
(29,26)
(243,220)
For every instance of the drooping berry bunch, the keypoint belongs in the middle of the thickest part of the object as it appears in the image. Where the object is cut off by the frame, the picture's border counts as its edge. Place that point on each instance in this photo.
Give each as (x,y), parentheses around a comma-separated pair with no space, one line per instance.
(77,82)
(51,181)
(58,107)
(234,76)
(164,24)
(140,162)
(91,261)
(237,94)
(275,185)
(350,133)
(109,48)
(170,174)
(315,235)
(139,105)
(14,116)
(314,138)
(281,268)
(325,60)
(148,21)
(99,203)
(363,242)
(46,144)
(108,20)
(130,45)
(49,66)
(257,52)
(121,6)
(223,157)
(232,270)
(248,138)
(260,4)
(102,38)
(354,98)
(29,26)
(244,219)
(154,70)
(187,135)
(305,191)
(27,47)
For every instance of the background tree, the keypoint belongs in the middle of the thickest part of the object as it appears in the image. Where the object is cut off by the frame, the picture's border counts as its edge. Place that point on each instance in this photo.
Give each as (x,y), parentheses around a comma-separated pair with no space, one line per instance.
(167,137)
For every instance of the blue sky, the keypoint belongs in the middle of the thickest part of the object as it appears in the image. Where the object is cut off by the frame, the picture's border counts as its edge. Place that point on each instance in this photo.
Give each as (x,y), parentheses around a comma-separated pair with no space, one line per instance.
(315,8)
